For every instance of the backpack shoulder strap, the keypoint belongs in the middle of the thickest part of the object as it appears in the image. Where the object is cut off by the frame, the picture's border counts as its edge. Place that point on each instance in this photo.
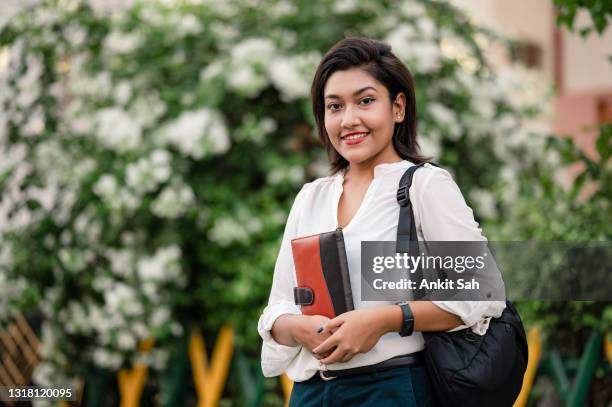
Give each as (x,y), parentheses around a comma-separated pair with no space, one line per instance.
(406,229)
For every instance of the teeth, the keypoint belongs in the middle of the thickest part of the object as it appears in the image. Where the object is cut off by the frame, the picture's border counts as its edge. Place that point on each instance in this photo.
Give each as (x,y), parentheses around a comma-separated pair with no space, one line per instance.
(355,136)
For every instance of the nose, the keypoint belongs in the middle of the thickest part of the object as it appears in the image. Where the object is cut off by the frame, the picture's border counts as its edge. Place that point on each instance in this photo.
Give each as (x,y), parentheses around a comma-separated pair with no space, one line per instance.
(350,118)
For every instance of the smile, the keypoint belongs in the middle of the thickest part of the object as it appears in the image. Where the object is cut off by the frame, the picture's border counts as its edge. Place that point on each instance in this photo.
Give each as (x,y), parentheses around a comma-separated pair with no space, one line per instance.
(354,138)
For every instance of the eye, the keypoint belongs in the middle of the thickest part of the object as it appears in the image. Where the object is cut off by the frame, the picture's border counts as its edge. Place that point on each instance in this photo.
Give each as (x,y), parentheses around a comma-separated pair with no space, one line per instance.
(367,100)
(333,106)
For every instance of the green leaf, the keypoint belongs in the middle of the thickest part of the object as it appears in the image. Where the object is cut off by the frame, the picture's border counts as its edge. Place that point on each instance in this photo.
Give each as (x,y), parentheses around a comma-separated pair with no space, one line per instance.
(603,144)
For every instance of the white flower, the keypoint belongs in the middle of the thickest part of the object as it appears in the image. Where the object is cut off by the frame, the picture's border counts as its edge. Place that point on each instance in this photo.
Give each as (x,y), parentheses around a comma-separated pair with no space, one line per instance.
(426,26)
(118,296)
(189,24)
(127,199)
(226,231)
(430,145)
(485,108)
(411,9)
(43,374)
(454,47)
(122,262)
(122,43)
(173,201)
(237,228)
(28,84)
(218,137)
(105,358)
(160,317)
(345,6)
(293,75)
(116,130)
(267,125)
(425,53)
(160,358)
(212,71)
(293,175)
(147,173)
(75,34)
(162,266)
(151,16)
(46,196)
(441,114)
(196,133)
(245,80)
(484,201)
(123,92)
(103,8)
(176,329)
(35,124)
(252,51)
(224,32)
(160,163)
(399,39)
(147,109)
(106,187)
(126,341)
(523,87)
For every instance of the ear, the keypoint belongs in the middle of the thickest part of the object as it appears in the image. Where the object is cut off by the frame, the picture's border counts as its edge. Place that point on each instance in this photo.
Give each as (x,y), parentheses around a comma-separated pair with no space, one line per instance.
(399,108)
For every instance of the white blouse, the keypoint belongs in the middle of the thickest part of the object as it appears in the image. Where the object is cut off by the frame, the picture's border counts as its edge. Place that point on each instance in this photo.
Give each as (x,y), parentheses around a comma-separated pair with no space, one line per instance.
(441,214)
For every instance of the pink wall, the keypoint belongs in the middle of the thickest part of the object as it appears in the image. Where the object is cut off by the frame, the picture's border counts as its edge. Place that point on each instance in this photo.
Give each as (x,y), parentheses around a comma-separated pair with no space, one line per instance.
(578,115)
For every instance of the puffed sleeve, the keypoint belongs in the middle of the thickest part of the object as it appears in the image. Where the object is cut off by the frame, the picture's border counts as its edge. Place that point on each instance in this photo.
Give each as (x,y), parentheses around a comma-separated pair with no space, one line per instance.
(275,358)
(443,215)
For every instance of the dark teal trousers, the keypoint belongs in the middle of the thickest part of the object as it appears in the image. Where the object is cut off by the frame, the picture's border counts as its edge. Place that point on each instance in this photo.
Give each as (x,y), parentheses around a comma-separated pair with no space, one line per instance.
(398,387)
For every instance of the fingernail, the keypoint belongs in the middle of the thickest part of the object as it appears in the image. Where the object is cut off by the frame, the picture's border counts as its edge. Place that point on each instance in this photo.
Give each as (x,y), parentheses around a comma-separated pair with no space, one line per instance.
(320,330)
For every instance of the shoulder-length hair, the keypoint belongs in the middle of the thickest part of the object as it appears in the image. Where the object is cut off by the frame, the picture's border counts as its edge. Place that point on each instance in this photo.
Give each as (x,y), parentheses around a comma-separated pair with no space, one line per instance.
(376,59)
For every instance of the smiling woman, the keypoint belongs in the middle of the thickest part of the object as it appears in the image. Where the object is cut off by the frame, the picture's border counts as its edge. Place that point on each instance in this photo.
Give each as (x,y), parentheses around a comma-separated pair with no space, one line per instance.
(364,106)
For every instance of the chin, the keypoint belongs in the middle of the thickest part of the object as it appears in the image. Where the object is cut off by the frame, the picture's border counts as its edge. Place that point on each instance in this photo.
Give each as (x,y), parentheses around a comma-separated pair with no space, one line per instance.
(358,156)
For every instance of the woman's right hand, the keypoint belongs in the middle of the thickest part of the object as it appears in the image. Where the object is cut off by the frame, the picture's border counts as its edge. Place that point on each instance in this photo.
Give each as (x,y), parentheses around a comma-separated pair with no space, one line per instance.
(305,331)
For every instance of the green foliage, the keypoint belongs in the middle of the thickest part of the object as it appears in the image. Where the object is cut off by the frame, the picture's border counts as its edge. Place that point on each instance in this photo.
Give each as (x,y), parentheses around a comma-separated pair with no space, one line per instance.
(551,212)
(600,12)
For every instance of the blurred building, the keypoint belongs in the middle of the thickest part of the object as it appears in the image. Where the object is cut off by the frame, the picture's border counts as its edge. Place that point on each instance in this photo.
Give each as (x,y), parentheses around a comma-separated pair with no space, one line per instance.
(581,68)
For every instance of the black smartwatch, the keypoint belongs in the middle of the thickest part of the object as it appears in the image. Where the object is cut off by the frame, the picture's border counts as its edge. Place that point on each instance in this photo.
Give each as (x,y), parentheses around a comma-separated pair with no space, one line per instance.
(407,319)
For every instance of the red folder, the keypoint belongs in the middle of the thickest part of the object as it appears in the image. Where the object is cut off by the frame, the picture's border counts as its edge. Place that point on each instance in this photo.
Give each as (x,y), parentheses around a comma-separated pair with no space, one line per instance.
(321,266)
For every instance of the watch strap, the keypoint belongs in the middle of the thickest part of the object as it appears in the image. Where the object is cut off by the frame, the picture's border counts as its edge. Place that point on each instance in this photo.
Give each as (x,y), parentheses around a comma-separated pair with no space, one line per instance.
(407,319)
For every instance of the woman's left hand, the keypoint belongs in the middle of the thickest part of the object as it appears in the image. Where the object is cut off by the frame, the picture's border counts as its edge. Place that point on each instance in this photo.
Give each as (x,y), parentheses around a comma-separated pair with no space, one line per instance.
(356,332)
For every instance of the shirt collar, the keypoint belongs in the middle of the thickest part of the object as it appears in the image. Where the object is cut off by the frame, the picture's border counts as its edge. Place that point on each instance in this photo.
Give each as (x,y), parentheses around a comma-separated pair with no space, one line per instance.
(379,170)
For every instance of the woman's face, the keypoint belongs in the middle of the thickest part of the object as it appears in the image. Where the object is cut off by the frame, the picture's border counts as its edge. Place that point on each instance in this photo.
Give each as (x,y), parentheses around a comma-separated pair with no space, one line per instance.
(360,118)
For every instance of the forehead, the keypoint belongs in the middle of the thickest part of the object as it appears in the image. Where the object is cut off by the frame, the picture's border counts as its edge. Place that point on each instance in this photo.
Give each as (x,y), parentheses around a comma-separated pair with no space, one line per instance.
(345,83)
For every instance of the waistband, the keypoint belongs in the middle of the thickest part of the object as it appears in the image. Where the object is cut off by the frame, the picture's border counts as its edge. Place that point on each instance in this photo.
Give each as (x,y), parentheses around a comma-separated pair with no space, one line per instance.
(412,359)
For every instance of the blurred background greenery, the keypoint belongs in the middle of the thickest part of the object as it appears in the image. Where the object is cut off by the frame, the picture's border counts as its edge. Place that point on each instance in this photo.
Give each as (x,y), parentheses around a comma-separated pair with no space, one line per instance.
(149,154)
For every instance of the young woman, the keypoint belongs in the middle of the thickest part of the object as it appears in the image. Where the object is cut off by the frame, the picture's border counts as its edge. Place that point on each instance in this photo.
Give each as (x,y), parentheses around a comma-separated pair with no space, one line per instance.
(364,105)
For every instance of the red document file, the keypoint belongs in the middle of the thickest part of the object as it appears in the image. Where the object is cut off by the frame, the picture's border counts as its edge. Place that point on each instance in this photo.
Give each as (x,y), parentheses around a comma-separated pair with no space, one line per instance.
(321,266)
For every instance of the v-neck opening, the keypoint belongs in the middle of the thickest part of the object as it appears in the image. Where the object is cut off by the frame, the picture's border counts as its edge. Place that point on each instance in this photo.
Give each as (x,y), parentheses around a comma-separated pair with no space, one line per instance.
(362,204)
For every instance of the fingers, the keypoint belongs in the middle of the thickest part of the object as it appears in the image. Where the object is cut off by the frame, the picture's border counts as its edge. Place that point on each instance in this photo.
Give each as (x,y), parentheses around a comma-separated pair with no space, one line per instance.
(326,345)
(331,325)
(338,355)
(320,356)
(347,357)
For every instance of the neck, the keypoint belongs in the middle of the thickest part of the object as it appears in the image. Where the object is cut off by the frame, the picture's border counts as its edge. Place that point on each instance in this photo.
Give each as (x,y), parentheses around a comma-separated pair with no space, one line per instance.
(364,171)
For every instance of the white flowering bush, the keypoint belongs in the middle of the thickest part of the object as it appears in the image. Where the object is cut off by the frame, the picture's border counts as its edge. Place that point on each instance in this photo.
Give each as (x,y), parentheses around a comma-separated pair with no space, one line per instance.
(149,155)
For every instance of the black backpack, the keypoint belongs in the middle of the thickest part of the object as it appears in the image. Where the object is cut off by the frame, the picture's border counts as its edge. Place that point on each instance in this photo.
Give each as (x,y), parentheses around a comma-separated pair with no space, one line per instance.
(467,369)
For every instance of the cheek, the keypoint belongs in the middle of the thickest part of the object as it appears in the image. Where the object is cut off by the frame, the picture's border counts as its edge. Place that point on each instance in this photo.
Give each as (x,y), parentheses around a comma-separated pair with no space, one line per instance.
(379,119)
(331,125)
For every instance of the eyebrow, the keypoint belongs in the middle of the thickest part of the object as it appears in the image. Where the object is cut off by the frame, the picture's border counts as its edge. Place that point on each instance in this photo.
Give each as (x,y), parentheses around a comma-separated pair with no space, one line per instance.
(357,92)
